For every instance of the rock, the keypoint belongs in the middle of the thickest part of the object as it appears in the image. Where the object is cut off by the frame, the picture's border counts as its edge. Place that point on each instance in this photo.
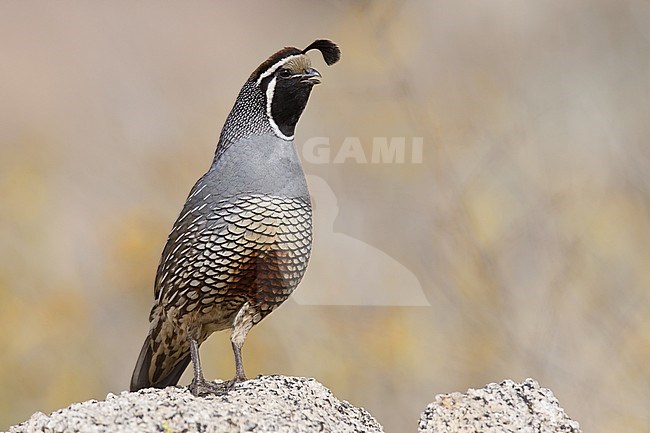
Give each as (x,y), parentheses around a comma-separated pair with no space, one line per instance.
(266,404)
(503,407)
(292,404)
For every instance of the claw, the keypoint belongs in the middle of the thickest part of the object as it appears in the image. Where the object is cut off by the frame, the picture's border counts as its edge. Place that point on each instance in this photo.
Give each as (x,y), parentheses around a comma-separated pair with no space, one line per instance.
(203,387)
(230,385)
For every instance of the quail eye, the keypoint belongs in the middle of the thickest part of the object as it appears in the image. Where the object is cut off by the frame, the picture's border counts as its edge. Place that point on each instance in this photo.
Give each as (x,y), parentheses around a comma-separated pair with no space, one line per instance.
(284,73)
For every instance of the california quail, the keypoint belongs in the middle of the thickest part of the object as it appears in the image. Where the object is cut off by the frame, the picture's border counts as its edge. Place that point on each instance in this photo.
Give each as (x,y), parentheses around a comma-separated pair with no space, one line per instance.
(242,241)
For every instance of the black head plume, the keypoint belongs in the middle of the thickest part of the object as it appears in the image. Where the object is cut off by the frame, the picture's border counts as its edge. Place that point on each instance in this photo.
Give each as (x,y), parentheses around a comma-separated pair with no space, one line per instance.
(331,53)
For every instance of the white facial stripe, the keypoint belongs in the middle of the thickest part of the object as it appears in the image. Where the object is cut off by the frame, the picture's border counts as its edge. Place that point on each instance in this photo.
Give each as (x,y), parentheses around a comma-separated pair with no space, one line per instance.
(275,67)
(270,89)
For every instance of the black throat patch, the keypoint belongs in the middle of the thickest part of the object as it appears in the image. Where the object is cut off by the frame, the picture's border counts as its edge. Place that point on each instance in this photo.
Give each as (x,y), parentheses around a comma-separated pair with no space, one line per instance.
(288,100)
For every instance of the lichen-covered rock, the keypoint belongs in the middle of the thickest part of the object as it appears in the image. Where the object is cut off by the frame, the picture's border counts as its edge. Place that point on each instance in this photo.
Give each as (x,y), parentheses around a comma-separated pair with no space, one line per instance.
(266,404)
(497,408)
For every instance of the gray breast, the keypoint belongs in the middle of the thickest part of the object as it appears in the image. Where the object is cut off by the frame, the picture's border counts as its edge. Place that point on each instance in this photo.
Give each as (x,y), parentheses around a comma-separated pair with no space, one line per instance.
(244,234)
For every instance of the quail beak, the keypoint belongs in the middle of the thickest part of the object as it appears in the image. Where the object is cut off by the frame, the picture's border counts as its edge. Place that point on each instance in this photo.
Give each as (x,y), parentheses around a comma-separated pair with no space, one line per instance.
(311,76)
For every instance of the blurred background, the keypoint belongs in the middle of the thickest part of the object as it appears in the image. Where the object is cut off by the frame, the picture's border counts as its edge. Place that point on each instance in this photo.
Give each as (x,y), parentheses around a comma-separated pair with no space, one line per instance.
(522,237)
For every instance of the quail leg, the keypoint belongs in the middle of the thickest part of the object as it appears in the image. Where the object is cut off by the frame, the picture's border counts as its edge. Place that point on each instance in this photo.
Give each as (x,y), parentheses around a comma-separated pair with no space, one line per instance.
(242,324)
(199,385)
(239,369)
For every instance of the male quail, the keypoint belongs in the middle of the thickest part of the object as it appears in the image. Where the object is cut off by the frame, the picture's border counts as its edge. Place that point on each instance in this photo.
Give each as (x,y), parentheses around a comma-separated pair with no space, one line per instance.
(242,241)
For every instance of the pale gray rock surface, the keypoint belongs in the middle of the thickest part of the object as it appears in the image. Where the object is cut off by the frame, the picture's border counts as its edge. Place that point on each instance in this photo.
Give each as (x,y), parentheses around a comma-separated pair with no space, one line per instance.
(497,408)
(267,404)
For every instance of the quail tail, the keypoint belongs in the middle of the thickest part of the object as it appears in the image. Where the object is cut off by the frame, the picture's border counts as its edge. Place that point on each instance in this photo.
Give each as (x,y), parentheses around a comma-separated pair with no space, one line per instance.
(141,378)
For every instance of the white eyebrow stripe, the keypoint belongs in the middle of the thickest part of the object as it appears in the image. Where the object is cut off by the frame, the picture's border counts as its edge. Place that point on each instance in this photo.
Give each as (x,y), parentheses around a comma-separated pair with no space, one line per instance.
(274,68)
